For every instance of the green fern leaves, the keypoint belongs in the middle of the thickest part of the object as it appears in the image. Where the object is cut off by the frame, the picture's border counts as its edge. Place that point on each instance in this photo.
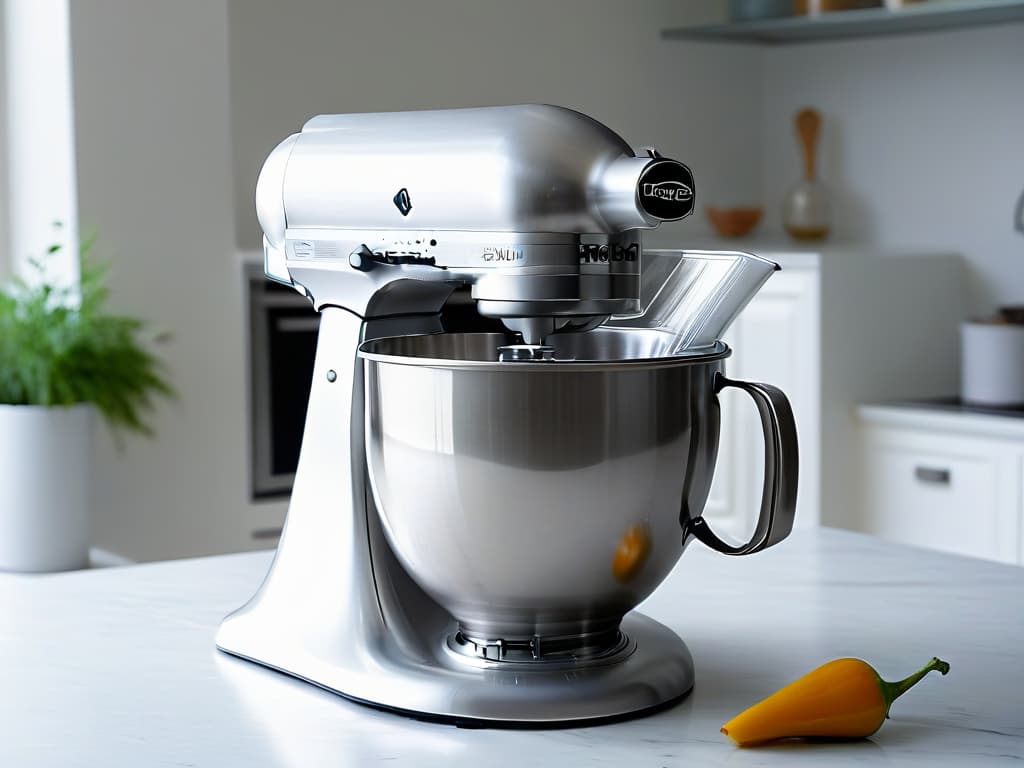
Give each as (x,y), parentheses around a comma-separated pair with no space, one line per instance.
(54,353)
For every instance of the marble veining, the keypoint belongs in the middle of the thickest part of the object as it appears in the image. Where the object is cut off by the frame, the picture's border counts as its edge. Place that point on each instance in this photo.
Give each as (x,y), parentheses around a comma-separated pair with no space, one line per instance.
(116,667)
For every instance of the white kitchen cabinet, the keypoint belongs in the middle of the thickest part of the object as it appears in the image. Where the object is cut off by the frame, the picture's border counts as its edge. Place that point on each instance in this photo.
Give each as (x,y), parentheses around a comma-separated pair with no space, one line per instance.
(832,329)
(942,479)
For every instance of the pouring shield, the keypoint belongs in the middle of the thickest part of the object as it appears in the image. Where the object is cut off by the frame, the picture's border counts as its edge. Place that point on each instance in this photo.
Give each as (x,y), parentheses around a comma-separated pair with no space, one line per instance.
(692,297)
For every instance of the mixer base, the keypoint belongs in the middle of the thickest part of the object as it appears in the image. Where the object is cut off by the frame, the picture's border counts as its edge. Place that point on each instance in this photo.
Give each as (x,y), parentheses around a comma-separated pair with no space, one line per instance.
(657,673)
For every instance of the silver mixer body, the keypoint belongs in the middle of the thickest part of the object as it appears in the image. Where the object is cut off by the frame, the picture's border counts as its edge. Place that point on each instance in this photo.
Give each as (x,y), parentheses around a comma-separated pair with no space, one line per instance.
(535,209)
(447,545)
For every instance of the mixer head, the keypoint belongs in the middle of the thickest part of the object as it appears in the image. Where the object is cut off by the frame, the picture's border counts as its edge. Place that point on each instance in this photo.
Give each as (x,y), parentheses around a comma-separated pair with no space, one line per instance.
(536,210)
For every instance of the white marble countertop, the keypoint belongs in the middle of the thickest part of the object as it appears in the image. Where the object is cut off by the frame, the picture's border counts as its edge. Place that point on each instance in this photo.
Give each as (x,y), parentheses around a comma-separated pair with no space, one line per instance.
(116,667)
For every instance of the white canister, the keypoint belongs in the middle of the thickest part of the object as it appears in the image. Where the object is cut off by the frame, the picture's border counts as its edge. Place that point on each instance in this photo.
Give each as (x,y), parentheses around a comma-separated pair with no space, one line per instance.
(45,487)
(992,365)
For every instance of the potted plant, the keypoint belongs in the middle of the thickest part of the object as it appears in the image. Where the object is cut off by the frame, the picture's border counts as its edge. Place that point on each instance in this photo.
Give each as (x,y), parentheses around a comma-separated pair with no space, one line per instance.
(63,358)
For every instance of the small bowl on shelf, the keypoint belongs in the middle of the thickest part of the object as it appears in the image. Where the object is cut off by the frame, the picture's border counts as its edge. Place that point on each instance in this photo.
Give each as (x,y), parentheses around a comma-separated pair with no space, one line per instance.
(733,222)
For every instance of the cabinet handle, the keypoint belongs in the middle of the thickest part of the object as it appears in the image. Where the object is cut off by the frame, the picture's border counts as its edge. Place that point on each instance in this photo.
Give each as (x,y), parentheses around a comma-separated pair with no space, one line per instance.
(932,475)
(264,534)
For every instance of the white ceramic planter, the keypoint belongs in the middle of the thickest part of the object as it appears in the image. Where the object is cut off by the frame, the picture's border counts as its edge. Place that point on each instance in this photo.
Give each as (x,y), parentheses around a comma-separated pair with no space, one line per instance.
(46,473)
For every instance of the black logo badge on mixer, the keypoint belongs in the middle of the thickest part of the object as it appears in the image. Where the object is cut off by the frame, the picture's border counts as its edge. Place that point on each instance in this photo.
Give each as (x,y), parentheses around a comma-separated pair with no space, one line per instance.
(602,254)
(665,190)
(402,201)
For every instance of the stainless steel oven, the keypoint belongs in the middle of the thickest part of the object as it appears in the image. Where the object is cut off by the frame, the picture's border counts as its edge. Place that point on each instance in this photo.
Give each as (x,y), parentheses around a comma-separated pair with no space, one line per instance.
(282,345)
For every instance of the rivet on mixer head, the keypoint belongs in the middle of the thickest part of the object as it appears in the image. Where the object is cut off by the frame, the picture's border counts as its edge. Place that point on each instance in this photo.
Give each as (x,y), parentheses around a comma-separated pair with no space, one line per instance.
(331,376)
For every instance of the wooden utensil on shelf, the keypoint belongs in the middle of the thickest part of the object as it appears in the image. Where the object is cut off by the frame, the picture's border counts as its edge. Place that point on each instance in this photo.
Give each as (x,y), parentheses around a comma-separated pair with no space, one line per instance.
(805,213)
(808,126)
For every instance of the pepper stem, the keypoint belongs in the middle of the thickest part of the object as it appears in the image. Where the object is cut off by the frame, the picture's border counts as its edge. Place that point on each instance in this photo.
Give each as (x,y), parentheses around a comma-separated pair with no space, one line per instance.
(892,691)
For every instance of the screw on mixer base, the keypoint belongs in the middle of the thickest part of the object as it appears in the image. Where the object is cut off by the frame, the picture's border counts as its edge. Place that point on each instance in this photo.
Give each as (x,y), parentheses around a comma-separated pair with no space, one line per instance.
(578,650)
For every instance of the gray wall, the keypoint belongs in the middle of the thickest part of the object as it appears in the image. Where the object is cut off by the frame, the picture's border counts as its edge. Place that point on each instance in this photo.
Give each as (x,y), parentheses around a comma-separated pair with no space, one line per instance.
(290,61)
(153,142)
(923,145)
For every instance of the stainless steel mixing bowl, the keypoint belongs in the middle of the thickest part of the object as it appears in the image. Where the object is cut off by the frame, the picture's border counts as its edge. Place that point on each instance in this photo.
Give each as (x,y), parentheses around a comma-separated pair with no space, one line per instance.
(547,499)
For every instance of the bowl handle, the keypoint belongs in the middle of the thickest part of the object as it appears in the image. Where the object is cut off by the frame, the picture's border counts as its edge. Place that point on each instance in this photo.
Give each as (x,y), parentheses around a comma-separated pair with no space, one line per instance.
(781,463)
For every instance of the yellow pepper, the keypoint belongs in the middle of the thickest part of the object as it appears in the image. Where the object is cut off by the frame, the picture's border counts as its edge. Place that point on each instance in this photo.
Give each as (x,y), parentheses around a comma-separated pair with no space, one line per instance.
(844,699)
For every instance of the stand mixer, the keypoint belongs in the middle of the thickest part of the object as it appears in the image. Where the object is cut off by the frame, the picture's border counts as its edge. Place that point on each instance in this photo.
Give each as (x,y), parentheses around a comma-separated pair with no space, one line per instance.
(492,476)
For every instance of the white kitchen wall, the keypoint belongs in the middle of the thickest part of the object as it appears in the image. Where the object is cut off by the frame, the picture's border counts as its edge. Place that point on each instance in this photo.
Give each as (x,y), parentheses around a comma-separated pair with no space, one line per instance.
(290,61)
(154,156)
(923,144)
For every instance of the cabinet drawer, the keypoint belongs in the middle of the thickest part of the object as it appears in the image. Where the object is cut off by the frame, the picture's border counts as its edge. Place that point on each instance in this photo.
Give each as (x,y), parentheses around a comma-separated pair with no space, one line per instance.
(950,501)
